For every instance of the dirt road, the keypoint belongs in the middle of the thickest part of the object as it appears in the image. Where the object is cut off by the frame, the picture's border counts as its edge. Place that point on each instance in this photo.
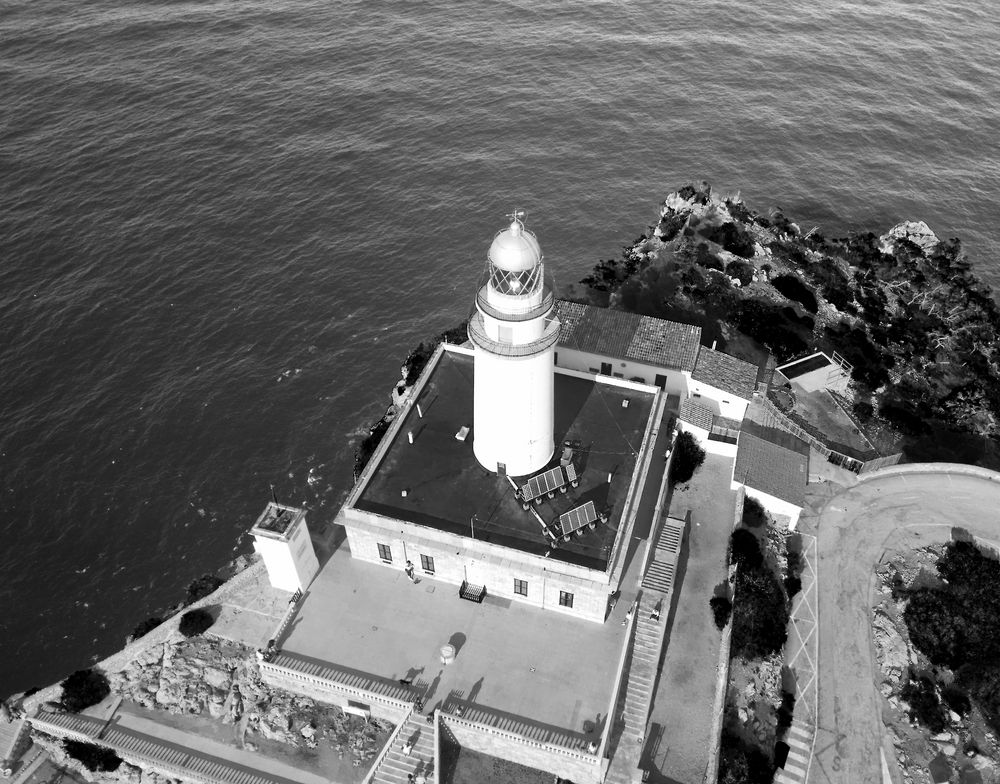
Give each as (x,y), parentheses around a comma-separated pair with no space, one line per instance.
(853,527)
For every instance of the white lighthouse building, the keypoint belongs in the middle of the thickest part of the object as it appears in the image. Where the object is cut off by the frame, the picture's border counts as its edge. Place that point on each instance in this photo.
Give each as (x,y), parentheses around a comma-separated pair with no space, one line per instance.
(514,331)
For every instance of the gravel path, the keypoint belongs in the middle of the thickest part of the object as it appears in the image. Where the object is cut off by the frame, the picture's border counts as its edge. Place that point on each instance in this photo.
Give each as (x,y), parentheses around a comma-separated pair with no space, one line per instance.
(853,528)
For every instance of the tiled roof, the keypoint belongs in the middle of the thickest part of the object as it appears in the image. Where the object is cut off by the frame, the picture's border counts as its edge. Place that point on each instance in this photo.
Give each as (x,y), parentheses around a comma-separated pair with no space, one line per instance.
(725,372)
(772,461)
(695,414)
(615,333)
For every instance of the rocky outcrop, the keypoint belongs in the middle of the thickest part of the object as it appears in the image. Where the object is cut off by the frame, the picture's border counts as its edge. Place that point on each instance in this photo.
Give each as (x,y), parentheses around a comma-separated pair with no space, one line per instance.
(917,232)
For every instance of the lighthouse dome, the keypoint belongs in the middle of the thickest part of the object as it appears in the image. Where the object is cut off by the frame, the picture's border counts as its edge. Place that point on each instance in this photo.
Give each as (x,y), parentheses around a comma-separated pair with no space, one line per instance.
(515,249)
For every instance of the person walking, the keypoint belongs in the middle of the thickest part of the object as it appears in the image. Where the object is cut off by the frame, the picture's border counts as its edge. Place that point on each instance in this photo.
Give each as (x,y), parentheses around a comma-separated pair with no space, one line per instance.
(409,571)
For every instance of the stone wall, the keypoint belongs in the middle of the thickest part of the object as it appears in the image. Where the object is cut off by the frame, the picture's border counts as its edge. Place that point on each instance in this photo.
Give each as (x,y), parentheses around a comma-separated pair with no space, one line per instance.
(579,767)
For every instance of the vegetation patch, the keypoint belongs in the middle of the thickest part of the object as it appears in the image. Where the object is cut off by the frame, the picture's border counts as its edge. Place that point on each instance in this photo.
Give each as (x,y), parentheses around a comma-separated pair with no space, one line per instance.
(83,689)
(688,457)
(195,622)
(92,757)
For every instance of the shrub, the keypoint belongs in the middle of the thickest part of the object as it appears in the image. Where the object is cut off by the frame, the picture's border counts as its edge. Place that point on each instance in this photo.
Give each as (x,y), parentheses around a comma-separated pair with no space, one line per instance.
(145,627)
(793,584)
(741,270)
(930,617)
(195,622)
(754,514)
(744,549)
(92,757)
(740,763)
(731,237)
(760,614)
(202,587)
(796,290)
(925,706)
(688,457)
(957,699)
(84,688)
(721,610)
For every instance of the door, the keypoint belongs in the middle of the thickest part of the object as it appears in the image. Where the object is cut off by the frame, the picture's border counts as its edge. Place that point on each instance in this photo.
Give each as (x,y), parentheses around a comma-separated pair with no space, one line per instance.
(661,381)
(606,368)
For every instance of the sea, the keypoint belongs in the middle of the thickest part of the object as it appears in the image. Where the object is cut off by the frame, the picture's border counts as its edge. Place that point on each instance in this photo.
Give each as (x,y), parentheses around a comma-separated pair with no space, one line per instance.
(224,223)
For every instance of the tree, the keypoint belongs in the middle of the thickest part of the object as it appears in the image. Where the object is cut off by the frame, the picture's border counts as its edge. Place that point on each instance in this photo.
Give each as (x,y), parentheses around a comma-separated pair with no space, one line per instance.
(195,622)
(721,610)
(202,587)
(84,688)
(145,627)
(744,549)
(925,705)
(91,756)
(754,514)
(688,457)
(760,614)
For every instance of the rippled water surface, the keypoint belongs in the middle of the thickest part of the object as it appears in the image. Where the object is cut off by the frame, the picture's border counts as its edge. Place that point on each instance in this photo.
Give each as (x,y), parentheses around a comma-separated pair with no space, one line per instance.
(222,225)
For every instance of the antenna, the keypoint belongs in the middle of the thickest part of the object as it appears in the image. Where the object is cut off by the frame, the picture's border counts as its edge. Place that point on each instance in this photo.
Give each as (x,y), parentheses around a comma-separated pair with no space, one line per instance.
(274,496)
(516,215)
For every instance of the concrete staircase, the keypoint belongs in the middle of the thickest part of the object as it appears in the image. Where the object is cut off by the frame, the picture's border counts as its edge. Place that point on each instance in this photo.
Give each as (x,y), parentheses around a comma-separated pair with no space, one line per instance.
(660,574)
(800,741)
(646,648)
(396,765)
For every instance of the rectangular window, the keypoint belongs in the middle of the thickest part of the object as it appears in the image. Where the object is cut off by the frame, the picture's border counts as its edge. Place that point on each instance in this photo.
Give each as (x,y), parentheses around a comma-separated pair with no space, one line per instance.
(385,553)
(427,564)
(565,599)
(521,587)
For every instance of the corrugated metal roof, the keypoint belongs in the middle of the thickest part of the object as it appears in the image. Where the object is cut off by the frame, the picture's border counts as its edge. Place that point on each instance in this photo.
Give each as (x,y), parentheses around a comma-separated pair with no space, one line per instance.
(725,372)
(772,461)
(615,333)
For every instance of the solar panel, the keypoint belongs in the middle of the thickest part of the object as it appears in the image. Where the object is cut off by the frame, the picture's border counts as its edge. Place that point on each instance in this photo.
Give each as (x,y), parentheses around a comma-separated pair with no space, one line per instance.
(577,518)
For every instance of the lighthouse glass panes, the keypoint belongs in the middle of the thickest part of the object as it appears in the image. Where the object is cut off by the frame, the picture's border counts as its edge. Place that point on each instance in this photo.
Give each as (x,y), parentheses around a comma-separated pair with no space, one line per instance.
(521,282)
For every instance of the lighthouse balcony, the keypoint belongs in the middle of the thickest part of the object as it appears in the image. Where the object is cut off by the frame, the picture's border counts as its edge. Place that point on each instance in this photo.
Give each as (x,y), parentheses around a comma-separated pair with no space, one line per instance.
(479,338)
(514,312)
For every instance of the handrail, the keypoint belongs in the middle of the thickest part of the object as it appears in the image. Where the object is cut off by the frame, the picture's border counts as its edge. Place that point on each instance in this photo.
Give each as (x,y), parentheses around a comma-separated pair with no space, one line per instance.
(393,736)
(477,334)
(282,671)
(610,721)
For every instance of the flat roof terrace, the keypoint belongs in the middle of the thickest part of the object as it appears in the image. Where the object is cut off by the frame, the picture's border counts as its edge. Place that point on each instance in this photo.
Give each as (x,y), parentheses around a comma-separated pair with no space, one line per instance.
(535,671)
(448,490)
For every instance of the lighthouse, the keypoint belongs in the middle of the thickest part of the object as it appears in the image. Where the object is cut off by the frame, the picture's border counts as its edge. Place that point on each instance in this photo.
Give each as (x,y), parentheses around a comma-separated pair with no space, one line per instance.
(514,331)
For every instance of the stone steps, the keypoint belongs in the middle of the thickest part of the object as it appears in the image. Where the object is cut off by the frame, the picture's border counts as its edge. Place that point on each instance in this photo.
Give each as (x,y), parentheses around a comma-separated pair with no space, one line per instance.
(396,765)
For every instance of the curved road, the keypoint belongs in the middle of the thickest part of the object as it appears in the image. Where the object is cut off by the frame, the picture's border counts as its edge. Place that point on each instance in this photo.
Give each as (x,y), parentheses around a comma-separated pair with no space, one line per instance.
(853,528)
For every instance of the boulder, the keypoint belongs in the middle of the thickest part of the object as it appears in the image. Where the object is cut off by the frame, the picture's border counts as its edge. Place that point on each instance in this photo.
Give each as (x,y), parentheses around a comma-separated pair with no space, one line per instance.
(216,678)
(917,232)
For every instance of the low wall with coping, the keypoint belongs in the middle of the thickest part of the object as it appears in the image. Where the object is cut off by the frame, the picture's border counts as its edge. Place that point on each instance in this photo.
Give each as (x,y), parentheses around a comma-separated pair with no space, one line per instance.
(580,767)
(722,682)
(932,468)
(333,692)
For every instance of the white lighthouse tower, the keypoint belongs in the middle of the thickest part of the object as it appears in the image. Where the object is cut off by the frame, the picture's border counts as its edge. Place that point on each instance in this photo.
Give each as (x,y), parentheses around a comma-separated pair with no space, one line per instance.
(514,331)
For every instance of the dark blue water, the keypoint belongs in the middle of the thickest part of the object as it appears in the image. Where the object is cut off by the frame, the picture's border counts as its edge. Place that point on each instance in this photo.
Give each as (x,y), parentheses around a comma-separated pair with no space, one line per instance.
(223,224)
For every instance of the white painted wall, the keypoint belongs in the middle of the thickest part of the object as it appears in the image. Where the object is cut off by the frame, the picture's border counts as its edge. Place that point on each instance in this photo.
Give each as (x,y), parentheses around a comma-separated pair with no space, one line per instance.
(574,359)
(457,559)
(290,559)
(775,506)
(513,418)
(718,401)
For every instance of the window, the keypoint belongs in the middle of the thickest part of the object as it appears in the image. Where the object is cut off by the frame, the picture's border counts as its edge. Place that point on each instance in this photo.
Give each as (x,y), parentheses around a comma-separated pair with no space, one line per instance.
(565,599)
(427,564)
(521,587)
(385,553)
(606,368)
(506,334)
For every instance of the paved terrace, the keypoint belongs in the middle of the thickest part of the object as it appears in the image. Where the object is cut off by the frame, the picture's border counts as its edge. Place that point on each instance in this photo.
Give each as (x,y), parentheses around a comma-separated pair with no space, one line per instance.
(447,487)
(536,671)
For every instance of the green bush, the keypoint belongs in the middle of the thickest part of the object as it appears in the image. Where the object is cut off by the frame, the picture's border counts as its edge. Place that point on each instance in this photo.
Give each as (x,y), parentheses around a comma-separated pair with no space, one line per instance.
(925,706)
(744,549)
(195,622)
(84,688)
(957,699)
(687,458)
(92,757)
(935,625)
(797,291)
(202,587)
(722,608)
(760,614)
(740,763)
(754,514)
(145,627)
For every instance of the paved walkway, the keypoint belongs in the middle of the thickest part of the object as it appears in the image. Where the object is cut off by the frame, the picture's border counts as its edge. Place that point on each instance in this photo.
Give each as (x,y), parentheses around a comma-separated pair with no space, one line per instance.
(854,526)
(680,730)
